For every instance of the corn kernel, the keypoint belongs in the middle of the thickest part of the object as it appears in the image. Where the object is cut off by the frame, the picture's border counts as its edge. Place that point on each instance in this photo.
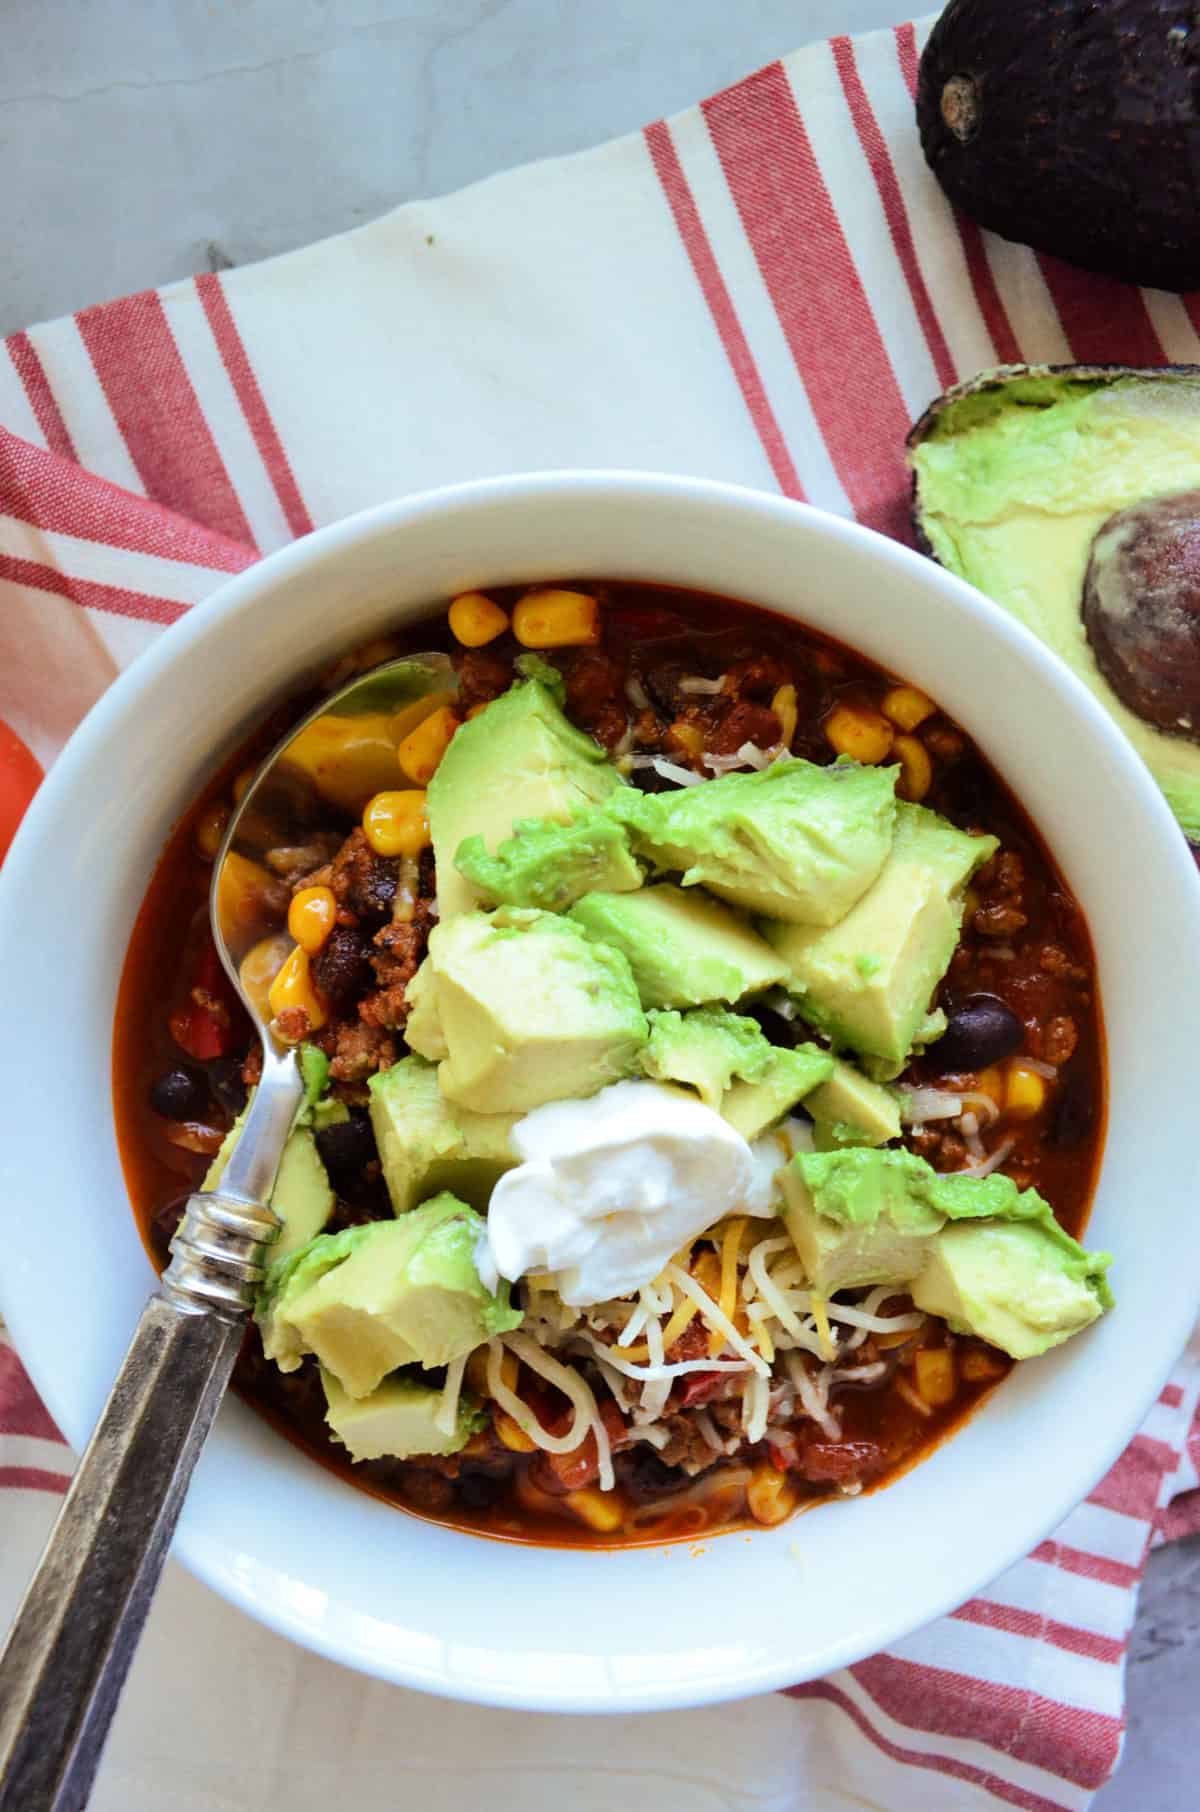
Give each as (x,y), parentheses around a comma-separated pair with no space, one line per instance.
(476,709)
(864,735)
(311,917)
(293,987)
(476,619)
(916,769)
(603,1511)
(245,891)
(259,967)
(512,1435)
(784,706)
(1024,1093)
(770,1497)
(210,828)
(396,824)
(685,737)
(933,1374)
(979,1366)
(556,619)
(422,749)
(991,1083)
(907,707)
(241,785)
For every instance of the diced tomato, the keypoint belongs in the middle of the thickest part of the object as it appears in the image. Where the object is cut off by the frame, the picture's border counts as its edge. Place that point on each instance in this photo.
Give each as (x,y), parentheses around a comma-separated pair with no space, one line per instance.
(700,1387)
(20,777)
(211,1022)
(783,1452)
(842,1462)
(572,1471)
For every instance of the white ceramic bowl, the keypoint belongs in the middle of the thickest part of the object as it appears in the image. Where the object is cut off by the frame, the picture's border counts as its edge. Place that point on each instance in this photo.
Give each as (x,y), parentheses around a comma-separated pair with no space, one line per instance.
(559,1628)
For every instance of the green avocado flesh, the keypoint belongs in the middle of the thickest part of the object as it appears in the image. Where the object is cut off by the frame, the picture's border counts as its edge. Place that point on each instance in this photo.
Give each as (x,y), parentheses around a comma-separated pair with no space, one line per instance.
(1015,473)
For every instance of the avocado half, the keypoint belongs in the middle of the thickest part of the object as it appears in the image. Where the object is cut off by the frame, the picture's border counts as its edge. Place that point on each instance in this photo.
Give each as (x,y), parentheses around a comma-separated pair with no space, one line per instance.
(1071,127)
(1071,495)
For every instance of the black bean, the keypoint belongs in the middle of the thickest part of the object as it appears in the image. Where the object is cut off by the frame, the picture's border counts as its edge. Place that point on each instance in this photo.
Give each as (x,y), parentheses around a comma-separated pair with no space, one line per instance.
(476,1491)
(982,1030)
(346,1148)
(225,1081)
(179,1095)
(646,1477)
(1074,1109)
(342,969)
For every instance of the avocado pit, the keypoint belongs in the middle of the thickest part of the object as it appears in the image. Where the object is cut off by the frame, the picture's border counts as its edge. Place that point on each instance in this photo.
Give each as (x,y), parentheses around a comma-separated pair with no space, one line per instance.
(1141,610)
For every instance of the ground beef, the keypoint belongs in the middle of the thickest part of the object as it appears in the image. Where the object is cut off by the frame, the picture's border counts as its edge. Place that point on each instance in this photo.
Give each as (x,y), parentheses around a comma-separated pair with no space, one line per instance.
(397,953)
(483,675)
(939,1146)
(747,722)
(691,1344)
(759,676)
(1057,962)
(686,1447)
(1059,1039)
(356,1051)
(998,919)
(596,696)
(361,881)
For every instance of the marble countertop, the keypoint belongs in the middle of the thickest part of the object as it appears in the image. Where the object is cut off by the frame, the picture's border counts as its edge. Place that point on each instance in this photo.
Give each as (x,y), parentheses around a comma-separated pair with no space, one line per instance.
(145,141)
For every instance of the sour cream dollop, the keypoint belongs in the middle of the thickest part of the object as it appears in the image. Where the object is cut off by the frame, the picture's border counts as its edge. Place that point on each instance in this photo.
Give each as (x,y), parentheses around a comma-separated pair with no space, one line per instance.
(610,1188)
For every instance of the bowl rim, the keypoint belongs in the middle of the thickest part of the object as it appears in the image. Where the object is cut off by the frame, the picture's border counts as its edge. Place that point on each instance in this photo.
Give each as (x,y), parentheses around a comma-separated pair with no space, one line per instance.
(228,604)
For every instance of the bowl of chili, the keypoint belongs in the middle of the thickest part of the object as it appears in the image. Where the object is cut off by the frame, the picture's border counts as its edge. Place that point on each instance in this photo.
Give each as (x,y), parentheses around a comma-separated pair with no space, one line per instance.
(1090,927)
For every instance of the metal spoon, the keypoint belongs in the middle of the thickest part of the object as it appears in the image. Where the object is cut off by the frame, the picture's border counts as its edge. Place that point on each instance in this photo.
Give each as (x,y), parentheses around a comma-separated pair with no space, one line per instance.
(74,1636)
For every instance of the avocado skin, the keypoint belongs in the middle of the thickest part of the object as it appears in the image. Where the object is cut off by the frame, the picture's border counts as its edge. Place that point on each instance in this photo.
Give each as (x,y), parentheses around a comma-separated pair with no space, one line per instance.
(995,378)
(1082,129)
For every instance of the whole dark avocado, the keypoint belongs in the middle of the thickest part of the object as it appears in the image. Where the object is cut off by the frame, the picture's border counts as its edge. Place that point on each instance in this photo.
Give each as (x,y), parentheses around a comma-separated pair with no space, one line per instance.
(1072,126)
(1071,495)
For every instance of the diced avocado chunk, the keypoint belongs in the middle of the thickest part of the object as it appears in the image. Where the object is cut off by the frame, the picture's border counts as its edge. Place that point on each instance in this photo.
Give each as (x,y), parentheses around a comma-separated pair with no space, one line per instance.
(850,1109)
(790,1076)
(864,1217)
(684,948)
(398,1419)
(527,1009)
(1012,1283)
(302,1197)
(840,1255)
(798,842)
(551,865)
(867,981)
(314,1069)
(392,1293)
(518,759)
(423,1028)
(705,1049)
(425,1145)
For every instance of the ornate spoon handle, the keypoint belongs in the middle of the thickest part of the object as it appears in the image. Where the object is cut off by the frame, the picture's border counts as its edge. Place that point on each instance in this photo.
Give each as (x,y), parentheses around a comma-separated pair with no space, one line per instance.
(75,1633)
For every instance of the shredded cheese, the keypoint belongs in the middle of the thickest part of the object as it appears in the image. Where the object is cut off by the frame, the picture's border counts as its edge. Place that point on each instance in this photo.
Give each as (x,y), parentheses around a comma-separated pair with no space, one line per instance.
(731,1246)
(607,1478)
(660,1369)
(711,1312)
(767,1287)
(446,1419)
(757,1314)
(874,1324)
(824,1335)
(564,1378)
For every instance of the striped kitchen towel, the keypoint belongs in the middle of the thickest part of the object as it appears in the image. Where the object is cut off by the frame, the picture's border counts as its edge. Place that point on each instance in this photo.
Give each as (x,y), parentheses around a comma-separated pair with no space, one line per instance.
(767,289)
